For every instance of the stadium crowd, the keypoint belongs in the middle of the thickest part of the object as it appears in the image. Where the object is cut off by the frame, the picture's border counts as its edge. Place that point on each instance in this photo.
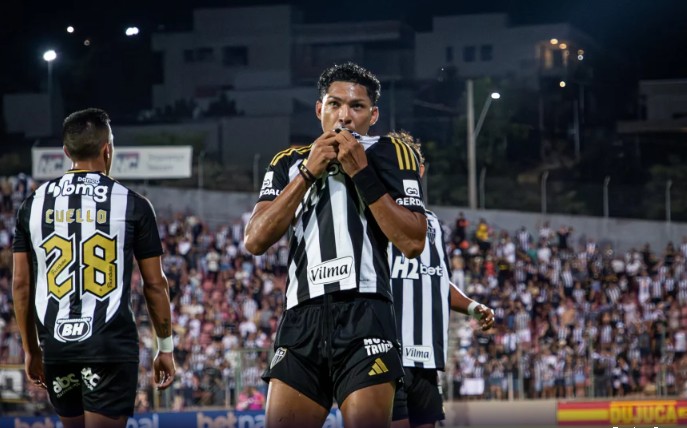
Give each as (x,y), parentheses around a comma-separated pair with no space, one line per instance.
(574,318)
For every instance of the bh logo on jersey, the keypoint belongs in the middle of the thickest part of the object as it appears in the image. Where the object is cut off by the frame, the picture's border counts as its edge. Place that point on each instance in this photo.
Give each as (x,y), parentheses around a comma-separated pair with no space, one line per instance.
(90,379)
(73,330)
(62,385)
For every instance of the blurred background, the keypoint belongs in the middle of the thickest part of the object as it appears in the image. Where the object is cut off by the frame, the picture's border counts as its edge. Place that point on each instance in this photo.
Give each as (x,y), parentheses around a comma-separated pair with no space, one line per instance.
(555,139)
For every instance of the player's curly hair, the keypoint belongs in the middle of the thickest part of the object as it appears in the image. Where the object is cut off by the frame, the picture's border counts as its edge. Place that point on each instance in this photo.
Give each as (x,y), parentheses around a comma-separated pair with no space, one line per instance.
(350,72)
(410,141)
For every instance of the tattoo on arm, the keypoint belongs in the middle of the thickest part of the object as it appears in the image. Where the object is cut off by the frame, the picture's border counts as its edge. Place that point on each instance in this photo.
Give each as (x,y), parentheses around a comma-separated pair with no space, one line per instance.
(165,328)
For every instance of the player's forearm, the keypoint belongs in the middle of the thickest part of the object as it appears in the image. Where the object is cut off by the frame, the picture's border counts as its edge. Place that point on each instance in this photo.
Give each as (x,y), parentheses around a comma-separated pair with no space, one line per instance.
(405,229)
(157,300)
(24,314)
(271,220)
(459,301)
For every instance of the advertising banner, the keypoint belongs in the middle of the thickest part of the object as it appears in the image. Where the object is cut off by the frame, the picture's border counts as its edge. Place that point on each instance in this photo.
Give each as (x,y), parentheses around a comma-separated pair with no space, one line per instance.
(623,413)
(133,163)
(183,419)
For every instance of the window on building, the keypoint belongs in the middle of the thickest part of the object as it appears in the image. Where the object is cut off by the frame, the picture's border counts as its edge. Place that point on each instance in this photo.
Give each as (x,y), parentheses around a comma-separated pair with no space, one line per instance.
(234,55)
(204,55)
(449,53)
(189,55)
(469,53)
(486,52)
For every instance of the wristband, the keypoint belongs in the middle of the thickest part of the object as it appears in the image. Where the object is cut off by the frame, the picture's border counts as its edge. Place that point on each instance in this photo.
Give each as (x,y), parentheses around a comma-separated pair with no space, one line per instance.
(368,184)
(306,174)
(471,310)
(165,345)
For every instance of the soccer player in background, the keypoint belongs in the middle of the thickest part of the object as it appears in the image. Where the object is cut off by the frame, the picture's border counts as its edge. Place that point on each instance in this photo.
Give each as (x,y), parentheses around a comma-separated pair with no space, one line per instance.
(342,199)
(423,295)
(75,240)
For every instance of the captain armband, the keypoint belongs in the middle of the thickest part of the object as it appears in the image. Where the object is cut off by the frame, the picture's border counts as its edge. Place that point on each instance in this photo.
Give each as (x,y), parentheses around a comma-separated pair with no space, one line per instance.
(368,184)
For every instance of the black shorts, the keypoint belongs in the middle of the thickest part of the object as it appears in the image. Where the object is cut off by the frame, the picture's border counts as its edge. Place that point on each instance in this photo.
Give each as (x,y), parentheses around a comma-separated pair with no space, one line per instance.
(333,345)
(105,388)
(419,400)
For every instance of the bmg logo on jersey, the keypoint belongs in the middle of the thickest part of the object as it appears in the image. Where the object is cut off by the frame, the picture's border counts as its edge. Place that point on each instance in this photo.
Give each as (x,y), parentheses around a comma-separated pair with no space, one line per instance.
(90,379)
(73,330)
(64,384)
(99,193)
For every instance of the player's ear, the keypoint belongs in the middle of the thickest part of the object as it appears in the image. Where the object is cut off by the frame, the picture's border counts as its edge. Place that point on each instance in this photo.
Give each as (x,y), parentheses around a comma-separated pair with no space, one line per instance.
(66,152)
(375,115)
(318,109)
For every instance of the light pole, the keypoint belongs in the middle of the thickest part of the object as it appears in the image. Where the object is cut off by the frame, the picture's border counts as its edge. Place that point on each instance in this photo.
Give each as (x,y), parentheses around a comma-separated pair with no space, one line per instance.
(473,132)
(49,56)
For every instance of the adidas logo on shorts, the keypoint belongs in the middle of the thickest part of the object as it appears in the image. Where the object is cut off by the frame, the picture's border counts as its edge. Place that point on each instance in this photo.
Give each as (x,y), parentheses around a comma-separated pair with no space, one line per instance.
(378,368)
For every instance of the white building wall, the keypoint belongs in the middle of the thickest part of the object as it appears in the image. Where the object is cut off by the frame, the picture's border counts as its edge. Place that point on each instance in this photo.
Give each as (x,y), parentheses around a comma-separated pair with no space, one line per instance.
(514,49)
(264,31)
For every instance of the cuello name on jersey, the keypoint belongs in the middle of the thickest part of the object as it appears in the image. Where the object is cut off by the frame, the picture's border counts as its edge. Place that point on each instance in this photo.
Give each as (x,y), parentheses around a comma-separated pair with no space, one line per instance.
(99,193)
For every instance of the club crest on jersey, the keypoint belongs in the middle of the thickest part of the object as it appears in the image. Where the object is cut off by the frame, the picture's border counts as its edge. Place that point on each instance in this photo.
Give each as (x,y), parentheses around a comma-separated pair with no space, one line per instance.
(431,233)
(73,330)
(331,271)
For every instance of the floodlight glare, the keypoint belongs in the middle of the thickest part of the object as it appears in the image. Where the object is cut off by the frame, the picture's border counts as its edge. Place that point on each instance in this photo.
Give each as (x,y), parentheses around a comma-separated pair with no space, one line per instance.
(49,55)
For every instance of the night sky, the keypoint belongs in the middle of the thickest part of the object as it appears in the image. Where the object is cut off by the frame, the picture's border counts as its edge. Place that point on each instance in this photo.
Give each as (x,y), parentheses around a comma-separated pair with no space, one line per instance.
(649,33)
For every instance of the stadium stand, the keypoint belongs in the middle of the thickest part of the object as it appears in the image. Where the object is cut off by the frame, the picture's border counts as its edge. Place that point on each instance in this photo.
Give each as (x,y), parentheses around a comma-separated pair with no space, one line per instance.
(573,319)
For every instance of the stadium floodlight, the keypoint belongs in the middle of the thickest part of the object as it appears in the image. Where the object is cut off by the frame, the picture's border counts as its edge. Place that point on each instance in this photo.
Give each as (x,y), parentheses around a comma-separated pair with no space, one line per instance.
(131,31)
(70,29)
(49,56)
(473,132)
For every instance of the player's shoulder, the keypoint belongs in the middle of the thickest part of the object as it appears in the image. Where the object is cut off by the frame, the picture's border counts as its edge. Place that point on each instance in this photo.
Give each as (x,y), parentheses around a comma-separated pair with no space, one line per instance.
(391,149)
(291,155)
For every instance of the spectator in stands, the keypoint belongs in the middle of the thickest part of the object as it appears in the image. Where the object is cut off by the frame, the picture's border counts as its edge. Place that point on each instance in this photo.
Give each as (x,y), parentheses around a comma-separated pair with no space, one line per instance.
(250,399)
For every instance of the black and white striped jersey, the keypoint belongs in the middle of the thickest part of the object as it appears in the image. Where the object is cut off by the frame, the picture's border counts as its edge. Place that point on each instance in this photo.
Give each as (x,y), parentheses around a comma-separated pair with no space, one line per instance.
(421,292)
(82,231)
(335,242)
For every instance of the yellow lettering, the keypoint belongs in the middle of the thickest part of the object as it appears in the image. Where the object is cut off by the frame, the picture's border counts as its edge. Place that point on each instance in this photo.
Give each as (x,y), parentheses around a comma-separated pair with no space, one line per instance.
(671,415)
(681,413)
(660,414)
(89,219)
(78,216)
(48,216)
(102,216)
(70,215)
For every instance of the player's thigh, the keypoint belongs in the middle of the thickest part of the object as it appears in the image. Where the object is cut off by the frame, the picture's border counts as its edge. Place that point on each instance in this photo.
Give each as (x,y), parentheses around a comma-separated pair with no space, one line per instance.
(64,389)
(109,389)
(289,408)
(369,407)
(102,421)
